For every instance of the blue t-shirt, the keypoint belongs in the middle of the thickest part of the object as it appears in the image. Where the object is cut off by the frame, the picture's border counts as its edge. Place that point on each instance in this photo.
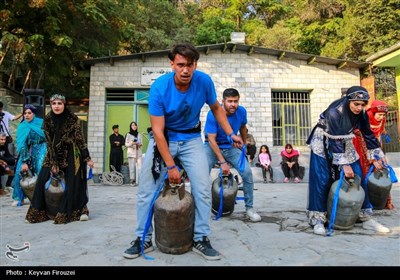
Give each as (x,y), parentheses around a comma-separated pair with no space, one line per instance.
(237,120)
(181,109)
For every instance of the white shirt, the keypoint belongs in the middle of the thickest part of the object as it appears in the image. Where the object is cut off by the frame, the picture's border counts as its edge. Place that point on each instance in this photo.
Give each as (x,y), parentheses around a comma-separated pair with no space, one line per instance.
(4,123)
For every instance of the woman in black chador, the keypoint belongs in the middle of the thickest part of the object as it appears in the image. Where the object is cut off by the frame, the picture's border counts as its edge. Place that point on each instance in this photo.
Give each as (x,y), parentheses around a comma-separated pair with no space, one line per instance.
(67,156)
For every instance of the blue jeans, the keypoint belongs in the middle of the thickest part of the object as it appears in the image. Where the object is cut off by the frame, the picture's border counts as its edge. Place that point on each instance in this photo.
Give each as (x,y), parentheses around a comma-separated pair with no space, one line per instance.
(194,161)
(232,156)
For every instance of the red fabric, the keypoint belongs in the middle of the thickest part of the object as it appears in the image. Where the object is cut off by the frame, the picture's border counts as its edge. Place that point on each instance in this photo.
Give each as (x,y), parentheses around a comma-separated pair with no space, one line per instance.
(292,154)
(377,127)
(361,148)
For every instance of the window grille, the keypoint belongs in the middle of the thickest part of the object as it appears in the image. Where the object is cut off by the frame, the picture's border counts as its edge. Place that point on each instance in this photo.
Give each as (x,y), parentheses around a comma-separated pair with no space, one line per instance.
(291,118)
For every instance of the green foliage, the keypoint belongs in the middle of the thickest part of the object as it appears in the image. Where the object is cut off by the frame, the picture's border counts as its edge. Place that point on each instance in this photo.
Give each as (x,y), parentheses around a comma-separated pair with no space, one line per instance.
(41,39)
(214,31)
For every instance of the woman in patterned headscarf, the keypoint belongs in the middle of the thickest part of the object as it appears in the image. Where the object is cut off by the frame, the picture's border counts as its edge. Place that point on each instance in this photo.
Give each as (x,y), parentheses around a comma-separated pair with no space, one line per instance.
(332,150)
(68,154)
(377,120)
(31,149)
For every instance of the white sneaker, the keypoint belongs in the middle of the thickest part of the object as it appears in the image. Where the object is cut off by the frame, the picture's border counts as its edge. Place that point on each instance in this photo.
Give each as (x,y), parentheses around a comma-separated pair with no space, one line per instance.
(84,218)
(371,224)
(15,203)
(252,215)
(319,229)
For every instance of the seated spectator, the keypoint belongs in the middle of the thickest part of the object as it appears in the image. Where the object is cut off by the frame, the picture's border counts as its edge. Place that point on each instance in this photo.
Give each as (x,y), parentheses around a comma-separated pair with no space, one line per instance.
(6,163)
(290,161)
(251,147)
(264,158)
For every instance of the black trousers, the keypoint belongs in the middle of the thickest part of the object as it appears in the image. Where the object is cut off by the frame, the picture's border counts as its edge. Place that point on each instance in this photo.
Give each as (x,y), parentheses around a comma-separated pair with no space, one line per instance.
(286,170)
(116,159)
(251,151)
(270,170)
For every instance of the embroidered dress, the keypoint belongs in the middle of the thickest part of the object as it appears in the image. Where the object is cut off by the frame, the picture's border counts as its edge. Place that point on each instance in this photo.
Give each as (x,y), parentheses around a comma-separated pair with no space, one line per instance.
(67,149)
(331,143)
(31,149)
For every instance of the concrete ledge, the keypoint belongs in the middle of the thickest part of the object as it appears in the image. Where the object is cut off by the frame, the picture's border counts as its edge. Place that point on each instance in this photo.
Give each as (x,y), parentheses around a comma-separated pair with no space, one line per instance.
(257,174)
(304,160)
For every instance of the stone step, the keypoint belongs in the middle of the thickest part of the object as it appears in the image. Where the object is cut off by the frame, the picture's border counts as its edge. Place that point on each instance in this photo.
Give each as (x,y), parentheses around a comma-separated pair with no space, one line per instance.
(304,160)
(257,174)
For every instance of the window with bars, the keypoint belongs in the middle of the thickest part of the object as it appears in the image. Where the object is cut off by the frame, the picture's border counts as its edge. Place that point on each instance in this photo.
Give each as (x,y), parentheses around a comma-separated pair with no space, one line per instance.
(291,118)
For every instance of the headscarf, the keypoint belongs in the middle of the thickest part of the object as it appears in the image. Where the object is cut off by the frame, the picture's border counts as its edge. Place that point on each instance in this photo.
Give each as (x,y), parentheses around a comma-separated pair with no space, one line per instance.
(30,107)
(25,127)
(57,96)
(377,107)
(58,119)
(357,93)
(340,119)
(131,131)
(292,154)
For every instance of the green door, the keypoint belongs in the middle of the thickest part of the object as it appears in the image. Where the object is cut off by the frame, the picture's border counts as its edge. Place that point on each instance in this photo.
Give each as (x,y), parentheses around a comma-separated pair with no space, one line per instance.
(123,114)
(143,123)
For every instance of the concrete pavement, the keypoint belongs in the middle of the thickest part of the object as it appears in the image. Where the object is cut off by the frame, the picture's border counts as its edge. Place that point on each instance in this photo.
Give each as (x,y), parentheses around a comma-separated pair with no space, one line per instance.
(282,238)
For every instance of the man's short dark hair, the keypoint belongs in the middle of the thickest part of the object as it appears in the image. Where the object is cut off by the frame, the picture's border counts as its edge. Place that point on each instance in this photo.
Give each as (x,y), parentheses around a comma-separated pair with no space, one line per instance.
(230,92)
(1,105)
(187,50)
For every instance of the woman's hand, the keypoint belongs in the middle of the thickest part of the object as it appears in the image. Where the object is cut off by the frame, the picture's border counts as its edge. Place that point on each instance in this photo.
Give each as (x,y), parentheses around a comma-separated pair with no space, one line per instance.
(378,164)
(55,169)
(90,163)
(383,161)
(24,167)
(348,171)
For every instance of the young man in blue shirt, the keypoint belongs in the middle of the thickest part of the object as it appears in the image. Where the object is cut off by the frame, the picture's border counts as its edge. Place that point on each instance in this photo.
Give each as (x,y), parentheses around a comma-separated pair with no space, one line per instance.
(175,103)
(220,150)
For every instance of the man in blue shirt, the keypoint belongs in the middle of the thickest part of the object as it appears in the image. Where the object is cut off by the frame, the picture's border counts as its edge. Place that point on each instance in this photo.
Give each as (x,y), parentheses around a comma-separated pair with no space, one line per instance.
(220,150)
(175,103)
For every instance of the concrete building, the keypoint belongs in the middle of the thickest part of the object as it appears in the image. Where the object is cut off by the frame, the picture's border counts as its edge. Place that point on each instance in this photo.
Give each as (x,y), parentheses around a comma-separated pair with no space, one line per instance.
(284,92)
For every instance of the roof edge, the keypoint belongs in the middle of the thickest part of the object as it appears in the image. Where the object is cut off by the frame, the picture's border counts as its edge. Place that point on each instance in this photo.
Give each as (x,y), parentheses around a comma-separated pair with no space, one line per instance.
(232,47)
(384,52)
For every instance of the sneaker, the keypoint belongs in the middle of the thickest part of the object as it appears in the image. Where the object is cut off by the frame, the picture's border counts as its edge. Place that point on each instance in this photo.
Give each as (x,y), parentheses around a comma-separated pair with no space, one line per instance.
(265,181)
(271,181)
(16,202)
(134,251)
(286,180)
(373,225)
(253,215)
(297,180)
(319,229)
(84,218)
(203,247)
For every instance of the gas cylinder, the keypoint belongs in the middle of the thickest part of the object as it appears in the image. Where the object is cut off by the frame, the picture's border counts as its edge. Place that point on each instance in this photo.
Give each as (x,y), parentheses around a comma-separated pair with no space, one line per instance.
(174,219)
(351,198)
(53,194)
(28,183)
(379,186)
(229,188)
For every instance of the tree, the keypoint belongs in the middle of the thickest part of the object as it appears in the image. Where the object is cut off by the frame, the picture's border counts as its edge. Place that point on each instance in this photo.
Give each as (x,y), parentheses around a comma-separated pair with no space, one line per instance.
(368,26)
(41,39)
